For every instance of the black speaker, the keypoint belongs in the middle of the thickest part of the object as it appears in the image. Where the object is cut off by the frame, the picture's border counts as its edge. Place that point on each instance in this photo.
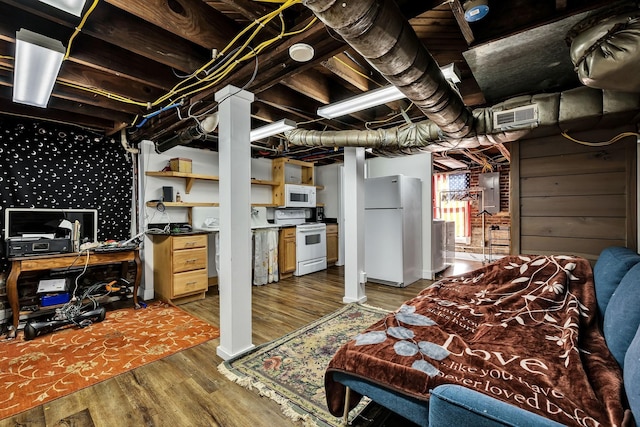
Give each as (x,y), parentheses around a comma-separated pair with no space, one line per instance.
(167,194)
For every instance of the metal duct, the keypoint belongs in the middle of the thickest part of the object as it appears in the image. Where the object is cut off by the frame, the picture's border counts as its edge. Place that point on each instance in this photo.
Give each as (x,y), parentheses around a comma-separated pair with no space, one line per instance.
(380,33)
(605,50)
(569,110)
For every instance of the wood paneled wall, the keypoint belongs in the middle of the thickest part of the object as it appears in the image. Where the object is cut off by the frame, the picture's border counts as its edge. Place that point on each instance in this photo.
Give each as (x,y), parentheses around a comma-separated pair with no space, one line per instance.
(569,198)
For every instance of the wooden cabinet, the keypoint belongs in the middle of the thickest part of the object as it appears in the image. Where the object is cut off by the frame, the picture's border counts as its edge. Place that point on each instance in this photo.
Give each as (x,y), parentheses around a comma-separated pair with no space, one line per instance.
(278,170)
(332,244)
(287,252)
(180,267)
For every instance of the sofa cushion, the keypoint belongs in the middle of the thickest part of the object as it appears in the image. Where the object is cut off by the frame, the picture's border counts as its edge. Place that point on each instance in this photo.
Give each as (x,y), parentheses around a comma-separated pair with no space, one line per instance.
(613,263)
(622,317)
(454,405)
(632,376)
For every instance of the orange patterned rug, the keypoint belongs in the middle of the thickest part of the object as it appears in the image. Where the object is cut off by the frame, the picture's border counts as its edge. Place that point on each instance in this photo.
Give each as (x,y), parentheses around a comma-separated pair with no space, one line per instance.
(54,365)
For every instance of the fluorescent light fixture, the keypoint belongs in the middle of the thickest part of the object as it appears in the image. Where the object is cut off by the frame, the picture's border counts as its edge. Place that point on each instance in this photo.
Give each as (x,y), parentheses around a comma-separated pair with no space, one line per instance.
(272,129)
(361,102)
(74,7)
(38,61)
(377,97)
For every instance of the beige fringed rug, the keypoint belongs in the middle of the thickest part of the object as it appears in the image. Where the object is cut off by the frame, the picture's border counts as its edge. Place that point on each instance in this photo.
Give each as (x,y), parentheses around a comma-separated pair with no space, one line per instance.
(290,370)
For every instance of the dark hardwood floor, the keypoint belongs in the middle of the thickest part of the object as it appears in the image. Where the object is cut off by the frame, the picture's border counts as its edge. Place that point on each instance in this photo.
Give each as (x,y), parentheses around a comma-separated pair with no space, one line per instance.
(186,389)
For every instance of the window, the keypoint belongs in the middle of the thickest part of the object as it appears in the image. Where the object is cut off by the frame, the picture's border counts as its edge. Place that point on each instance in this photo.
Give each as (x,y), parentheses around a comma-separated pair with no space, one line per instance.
(452,202)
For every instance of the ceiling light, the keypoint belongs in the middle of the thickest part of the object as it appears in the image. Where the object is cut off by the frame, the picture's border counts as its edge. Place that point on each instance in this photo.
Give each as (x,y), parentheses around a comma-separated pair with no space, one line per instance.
(37,63)
(475,10)
(272,129)
(72,6)
(301,52)
(361,102)
(377,97)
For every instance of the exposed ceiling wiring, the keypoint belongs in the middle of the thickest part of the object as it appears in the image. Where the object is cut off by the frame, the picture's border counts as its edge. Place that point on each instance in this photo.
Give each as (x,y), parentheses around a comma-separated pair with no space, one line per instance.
(215,70)
(389,119)
(602,143)
(358,72)
(79,28)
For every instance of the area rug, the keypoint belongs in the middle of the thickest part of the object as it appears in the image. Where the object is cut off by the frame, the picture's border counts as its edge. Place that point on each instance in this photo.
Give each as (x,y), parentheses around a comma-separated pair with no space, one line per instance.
(62,362)
(290,370)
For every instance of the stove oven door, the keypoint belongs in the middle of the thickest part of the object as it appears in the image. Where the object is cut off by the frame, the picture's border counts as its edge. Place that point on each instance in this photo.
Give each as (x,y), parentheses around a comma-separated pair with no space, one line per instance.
(311,248)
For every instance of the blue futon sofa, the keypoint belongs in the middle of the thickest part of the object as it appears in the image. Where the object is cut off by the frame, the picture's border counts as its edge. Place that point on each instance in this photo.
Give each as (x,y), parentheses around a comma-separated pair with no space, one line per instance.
(617,282)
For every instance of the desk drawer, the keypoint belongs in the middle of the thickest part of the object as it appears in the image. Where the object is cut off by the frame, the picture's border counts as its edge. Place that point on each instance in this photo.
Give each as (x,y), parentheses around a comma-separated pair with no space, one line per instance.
(189,242)
(189,283)
(189,259)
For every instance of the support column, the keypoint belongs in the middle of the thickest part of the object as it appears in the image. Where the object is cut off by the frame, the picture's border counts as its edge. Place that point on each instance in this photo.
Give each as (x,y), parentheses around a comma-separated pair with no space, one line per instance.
(234,281)
(353,200)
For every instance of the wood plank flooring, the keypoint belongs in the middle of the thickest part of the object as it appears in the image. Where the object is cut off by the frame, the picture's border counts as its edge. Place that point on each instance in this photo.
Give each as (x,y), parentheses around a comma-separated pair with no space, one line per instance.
(186,389)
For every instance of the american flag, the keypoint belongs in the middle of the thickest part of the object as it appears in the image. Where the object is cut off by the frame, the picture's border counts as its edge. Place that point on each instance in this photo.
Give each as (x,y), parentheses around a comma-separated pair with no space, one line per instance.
(458,182)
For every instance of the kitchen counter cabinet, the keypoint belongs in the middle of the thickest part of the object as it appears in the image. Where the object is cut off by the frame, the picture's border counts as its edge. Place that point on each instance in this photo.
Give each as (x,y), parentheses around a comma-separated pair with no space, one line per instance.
(287,252)
(332,243)
(180,267)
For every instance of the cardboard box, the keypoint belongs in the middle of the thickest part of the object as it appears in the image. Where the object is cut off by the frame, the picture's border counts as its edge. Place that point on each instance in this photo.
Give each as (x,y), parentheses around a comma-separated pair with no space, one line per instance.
(179,164)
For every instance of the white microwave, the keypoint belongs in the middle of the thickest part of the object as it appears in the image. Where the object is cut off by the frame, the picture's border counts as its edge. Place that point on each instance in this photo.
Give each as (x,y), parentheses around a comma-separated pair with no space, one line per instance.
(299,196)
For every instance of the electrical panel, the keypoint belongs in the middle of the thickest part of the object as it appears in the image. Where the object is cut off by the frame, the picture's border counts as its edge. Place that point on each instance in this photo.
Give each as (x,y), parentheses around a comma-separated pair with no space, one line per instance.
(490,182)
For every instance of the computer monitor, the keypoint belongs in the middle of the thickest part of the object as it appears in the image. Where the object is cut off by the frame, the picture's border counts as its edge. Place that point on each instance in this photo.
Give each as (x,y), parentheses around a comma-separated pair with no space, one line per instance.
(23,222)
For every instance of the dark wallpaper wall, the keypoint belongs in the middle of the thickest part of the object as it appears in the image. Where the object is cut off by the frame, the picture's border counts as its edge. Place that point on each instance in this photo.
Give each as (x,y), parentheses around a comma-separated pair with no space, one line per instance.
(47,165)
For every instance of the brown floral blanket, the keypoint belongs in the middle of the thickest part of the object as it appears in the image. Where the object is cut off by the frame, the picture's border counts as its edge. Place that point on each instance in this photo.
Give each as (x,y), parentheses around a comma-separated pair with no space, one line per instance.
(522,330)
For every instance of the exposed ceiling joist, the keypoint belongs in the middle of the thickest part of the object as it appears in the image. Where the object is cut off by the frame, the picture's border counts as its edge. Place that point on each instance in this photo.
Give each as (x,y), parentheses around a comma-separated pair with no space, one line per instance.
(190,19)
(141,49)
(348,70)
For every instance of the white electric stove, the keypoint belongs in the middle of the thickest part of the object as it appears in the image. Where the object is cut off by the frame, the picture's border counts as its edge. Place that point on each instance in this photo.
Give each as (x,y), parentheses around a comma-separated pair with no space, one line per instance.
(311,245)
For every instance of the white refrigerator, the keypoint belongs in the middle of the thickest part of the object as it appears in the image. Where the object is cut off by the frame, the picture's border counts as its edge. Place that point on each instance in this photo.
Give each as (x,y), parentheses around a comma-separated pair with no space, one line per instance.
(393,230)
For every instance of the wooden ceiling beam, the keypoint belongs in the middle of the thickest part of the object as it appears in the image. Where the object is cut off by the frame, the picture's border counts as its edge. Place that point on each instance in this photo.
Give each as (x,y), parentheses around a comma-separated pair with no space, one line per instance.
(310,83)
(106,57)
(250,9)
(136,35)
(189,19)
(285,99)
(465,28)
(89,78)
(504,151)
(411,8)
(90,52)
(275,60)
(52,114)
(116,27)
(473,157)
(346,69)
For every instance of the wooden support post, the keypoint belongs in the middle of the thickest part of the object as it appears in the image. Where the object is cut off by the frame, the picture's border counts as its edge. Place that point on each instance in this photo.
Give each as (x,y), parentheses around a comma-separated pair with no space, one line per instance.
(353,199)
(235,221)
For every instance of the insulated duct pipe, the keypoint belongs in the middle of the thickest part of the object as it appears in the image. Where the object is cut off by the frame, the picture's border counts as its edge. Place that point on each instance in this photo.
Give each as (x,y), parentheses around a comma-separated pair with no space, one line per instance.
(380,33)
(574,109)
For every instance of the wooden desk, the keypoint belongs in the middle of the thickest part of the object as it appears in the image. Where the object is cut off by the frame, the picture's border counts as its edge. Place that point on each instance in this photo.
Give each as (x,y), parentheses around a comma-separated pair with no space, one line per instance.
(48,262)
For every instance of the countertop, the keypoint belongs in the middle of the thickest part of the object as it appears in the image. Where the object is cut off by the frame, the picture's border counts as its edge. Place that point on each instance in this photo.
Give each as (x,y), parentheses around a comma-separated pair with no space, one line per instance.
(256,227)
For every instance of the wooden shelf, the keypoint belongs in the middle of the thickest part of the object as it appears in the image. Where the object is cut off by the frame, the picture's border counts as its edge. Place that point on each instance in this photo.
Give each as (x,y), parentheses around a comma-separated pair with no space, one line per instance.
(173,174)
(202,204)
(183,204)
(192,177)
(264,182)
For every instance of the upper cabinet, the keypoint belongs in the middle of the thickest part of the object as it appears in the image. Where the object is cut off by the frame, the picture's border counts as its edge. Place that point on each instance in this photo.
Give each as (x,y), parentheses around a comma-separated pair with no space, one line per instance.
(280,170)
